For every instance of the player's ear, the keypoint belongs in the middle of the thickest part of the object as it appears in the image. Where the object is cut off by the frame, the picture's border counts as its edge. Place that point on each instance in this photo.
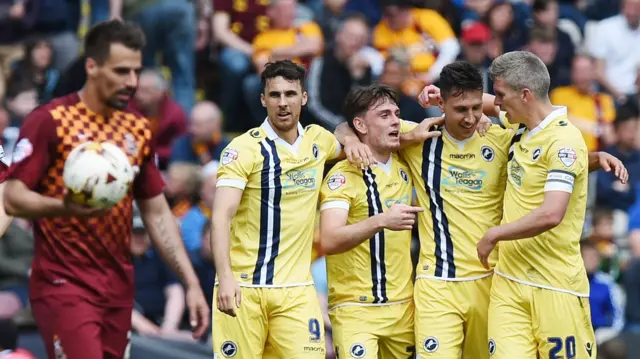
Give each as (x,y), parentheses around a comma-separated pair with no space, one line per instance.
(264,103)
(91,66)
(305,97)
(359,125)
(441,103)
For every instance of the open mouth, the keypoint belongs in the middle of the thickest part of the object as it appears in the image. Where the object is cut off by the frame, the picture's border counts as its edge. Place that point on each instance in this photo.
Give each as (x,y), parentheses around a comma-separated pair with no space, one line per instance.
(394,134)
(284,115)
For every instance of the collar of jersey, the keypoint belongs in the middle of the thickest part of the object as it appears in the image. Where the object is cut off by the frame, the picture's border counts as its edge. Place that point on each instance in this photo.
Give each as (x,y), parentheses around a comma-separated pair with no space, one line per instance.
(557,112)
(386,166)
(271,134)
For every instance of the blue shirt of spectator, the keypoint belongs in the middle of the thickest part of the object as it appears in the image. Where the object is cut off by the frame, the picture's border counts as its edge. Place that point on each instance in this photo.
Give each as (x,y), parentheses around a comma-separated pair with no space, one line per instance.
(151,278)
(184,150)
(191,227)
(606,309)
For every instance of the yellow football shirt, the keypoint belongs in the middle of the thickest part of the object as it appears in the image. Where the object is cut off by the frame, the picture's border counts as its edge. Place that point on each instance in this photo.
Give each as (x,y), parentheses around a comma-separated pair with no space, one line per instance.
(272,231)
(378,270)
(460,184)
(551,157)
(593,107)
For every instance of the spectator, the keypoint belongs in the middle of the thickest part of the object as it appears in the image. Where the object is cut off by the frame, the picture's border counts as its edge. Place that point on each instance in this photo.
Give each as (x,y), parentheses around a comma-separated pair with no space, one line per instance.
(16,18)
(632,284)
(57,22)
(508,34)
(170,29)
(611,193)
(616,59)
(183,185)
(604,298)
(475,40)
(72,79)
(404,26)
(283,40)
(396,74)
(546,14)
(206,272)
(37,66)
(9,342)
(591,111)
(340,68)
(159,298)
(22,98)
(168,120)
(205,140)
(235,27)
(544,44)
(16,253)
(194,220)
(332,16)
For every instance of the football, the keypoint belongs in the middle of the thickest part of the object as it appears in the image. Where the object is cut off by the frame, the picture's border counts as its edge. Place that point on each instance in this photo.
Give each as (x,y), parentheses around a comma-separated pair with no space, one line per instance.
(98,175)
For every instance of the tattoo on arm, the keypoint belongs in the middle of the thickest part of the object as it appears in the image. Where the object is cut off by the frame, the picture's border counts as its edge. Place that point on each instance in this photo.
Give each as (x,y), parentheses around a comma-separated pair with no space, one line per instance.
(169,247)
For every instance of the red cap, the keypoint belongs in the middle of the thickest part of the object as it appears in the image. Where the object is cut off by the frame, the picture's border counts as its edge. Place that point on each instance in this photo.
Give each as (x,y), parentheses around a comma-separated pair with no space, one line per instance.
(476,32)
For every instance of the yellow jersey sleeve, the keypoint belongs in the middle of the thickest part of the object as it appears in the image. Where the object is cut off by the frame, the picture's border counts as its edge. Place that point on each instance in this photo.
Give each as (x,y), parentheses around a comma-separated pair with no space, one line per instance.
(236,165)
(565,160)
(328,142)
(434,25)
(407,126)
(608,108)
(338,189)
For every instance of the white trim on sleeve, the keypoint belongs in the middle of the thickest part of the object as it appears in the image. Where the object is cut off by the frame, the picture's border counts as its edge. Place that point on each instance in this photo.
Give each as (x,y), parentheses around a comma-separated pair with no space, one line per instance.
(560,181)
(335,204)
(235,183)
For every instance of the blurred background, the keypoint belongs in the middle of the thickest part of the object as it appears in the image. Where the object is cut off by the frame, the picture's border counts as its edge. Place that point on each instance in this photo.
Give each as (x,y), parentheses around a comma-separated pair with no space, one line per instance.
(201,87)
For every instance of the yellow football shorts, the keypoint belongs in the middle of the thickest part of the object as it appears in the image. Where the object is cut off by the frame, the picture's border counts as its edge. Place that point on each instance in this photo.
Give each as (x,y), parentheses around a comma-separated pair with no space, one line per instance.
(451,318)
(384,331)
(528,322)
(286,320)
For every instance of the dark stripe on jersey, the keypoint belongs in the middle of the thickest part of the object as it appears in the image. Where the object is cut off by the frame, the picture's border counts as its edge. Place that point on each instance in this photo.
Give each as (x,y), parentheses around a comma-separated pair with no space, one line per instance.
(377,242)
(440,226)
(269,213)
(516,139)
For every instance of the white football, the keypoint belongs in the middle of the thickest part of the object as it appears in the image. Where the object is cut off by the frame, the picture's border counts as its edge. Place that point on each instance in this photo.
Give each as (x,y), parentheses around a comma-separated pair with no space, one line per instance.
(98,174)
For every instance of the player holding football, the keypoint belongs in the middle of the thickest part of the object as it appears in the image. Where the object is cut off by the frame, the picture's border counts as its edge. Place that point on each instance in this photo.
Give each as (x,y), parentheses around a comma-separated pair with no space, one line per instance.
(263,225)
(540,297)
(81,287)
(365,229)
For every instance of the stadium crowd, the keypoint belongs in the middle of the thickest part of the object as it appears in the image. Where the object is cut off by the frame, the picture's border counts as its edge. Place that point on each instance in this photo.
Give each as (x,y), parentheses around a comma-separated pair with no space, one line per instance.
(201,87)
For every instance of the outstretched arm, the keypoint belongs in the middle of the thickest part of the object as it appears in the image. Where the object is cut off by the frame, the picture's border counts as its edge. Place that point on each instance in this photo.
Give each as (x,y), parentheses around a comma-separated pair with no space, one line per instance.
(608,162)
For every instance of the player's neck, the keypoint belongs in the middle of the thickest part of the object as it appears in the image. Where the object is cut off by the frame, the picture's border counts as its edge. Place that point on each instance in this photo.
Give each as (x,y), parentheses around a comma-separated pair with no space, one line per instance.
(381,155)
(289,136)
(537,114)
(93,103)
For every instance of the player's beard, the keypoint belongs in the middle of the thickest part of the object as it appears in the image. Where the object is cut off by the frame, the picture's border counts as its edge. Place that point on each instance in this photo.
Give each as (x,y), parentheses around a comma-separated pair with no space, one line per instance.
(120,104)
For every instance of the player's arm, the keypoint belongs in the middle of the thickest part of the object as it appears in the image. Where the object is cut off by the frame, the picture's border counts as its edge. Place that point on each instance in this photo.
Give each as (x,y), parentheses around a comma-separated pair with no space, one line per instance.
(608,163)
(412,133)
(557,193)
(236,165)
(225,206)
(356,152)
(336,236)
(5,219)
(32,156)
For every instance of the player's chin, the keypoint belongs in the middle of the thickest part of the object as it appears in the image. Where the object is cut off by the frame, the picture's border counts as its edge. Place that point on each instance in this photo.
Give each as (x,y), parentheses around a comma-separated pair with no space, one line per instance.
(393,143)
(119,103)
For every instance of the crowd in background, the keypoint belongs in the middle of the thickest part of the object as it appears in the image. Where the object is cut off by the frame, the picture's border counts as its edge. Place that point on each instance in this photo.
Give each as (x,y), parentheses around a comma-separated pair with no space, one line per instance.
(201,87)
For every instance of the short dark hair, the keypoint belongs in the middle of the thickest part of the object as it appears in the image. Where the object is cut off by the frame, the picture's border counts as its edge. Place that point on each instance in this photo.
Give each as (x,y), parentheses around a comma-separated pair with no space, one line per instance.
(286,69)
(542,34)
(458,77)
(18,84)
(355,17)
(360,99)
(587,244)
(627,112)
(541,5)
(97,43)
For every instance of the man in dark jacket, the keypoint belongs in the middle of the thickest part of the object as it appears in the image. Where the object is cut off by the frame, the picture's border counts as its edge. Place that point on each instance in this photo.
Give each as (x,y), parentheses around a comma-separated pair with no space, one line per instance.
(337,71)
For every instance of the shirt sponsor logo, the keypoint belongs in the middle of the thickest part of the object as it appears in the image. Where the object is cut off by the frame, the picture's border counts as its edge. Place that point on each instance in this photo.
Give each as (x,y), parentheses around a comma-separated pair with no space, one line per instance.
(470,179)
(305,178)
(516,172)
(462,156)
(567,156)
(229,155)
(390,202)
(336,181)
